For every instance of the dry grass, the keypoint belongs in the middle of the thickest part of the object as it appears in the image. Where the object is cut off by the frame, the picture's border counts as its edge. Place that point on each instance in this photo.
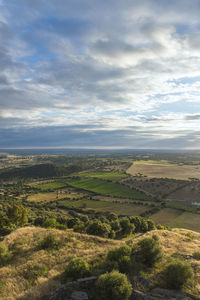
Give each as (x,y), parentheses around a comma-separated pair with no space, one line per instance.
(25,240)
(53,196)
(181,172)
(180,243)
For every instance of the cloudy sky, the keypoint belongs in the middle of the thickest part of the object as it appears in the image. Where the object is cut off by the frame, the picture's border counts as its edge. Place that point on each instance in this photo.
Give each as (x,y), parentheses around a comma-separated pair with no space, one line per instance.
(91,73)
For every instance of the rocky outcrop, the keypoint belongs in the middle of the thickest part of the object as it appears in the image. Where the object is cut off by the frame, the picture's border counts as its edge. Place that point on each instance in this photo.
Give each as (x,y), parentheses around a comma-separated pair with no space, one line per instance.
(75,290)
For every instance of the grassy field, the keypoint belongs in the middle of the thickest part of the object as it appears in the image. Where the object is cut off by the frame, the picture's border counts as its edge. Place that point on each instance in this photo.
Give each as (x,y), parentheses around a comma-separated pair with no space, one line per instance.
(107,188)
(187,220)
(166,216)
(154,162)
(52,196)
(177,218)
(189,193)
(151,170)
(115,176)
(50,186)
(44,197)
(118,208)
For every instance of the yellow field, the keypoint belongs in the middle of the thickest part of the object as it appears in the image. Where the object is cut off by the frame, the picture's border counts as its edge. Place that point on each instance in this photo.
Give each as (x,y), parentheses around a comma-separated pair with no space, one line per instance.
(152,170)
(53,196)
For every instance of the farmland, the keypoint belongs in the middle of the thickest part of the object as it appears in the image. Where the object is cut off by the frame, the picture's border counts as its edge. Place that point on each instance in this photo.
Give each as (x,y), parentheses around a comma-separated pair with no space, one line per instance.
(50,186)
(157,185)
(160,170)
(107,188)
(114,176)
(100,205)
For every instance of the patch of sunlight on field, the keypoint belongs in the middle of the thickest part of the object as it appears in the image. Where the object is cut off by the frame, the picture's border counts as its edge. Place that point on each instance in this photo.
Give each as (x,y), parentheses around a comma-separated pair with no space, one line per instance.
(155,162)
(45,197)
(181,172)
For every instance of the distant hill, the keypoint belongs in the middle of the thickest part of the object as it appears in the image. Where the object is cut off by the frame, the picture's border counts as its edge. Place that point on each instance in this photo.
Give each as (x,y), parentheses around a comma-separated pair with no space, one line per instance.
(39,171)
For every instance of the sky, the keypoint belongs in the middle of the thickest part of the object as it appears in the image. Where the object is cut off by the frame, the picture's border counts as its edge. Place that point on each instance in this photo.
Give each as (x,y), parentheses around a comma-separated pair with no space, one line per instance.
(91,73)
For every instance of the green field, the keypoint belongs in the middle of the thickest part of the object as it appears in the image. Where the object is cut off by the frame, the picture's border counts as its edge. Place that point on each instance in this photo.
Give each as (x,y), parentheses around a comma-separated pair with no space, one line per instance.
(115,176)
(166,216)
(177,218)
(107,188)
(118,208)
(51,186)
(187,220)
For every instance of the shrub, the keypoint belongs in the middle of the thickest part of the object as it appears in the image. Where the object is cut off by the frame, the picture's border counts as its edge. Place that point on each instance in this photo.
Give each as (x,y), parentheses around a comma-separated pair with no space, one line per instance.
(5,254)
(177,274)
(196,255)
(117,253)
(149,251)
(77,268)
(119,258)
(151,225)
(34,272)
(49,242)
(49,223)
(113,286)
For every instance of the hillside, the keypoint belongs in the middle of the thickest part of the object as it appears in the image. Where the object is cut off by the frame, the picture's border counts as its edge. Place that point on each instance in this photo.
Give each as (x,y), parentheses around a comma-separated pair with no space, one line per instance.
(16,282)
(23,243)
(38,171)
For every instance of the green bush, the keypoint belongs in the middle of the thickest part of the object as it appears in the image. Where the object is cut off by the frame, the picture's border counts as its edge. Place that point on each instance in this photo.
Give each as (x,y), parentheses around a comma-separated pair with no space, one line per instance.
(49,242)
(49,223)
(177,274)
(77,268)
(149,251)
(117,253)
(34,272)
(5,254)
(119,259)
(196,255)
(113,286)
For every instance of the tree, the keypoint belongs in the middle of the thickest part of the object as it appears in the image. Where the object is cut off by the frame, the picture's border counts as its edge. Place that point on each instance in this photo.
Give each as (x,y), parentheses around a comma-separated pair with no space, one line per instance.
(149,251)
(126,227)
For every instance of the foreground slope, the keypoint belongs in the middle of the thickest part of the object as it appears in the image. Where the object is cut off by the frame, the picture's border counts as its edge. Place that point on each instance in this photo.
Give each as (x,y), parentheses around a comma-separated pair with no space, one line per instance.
(24,245)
